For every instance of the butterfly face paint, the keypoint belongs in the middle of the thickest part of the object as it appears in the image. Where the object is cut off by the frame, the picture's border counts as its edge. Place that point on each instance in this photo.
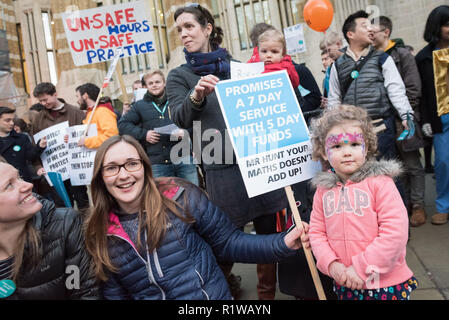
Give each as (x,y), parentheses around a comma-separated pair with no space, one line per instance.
(344,138)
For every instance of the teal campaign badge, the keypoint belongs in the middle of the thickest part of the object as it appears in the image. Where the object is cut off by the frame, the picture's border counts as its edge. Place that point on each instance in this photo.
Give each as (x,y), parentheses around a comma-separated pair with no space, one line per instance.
(7,288)
(354,74)
(16,148)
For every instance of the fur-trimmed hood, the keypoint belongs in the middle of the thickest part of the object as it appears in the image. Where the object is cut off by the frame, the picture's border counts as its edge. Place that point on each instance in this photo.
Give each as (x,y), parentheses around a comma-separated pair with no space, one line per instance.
(372,168)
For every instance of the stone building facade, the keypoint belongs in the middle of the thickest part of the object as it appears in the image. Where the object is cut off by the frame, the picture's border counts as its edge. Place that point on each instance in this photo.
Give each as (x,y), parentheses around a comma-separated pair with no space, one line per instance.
(38,49)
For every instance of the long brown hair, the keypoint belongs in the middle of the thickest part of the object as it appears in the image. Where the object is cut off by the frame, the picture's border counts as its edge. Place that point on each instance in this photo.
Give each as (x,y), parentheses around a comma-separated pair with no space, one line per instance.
(30,241)
(153,214)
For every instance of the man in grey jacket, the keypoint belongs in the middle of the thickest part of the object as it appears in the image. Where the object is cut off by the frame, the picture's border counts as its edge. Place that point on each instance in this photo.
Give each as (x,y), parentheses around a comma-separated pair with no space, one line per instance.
(414,179)
(368,78)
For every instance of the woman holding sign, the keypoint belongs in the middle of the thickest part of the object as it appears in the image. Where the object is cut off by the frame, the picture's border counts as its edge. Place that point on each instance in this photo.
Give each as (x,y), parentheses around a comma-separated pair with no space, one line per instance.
(190,90)
(159,238)
(42,254)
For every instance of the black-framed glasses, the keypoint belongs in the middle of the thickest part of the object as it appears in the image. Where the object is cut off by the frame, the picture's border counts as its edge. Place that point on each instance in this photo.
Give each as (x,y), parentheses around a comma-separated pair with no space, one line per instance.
(114,169)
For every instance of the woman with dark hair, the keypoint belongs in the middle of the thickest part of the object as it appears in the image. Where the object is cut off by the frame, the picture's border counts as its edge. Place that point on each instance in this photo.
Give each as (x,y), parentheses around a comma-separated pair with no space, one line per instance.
(41,248)
(436,119)
(190,90)
(158,238)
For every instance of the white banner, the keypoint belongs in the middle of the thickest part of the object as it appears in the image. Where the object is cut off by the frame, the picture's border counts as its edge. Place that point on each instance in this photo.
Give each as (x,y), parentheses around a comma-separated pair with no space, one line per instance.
(81,158)
(55,156)
(93,34)
(294,37)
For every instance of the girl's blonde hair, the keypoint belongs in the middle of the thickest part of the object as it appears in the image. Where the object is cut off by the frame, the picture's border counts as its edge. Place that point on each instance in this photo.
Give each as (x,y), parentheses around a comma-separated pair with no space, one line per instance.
(319,128)
(275,35)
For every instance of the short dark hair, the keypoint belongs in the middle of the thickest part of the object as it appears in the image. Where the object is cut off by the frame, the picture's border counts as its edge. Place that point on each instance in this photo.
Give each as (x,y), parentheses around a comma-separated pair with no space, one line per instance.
(44,88)
(37,107)
(6,110)
(257,30)
(385,22)
(350,23)
(436,19)
(91,89)
(21,124)
(203,17)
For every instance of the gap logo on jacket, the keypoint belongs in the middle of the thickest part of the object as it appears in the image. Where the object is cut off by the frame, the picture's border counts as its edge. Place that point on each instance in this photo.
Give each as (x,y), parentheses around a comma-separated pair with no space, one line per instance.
(339,201)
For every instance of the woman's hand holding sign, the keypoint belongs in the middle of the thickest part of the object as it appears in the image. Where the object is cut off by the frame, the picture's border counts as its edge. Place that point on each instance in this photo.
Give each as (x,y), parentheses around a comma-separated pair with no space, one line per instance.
(204,87)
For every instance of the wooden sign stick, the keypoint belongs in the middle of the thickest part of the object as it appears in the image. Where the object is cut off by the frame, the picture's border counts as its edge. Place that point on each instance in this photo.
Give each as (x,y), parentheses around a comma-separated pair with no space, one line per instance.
(307,251)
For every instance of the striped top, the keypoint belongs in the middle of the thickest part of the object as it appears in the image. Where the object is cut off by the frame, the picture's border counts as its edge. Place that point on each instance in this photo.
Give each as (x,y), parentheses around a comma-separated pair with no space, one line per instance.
(6,268)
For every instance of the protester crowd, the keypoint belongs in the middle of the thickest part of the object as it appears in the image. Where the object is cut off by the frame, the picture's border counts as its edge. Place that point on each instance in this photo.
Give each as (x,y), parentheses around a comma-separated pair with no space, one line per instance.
(168,224)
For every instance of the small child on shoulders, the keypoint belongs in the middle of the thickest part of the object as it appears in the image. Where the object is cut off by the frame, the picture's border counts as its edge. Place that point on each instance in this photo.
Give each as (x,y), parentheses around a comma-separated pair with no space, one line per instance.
(272,50)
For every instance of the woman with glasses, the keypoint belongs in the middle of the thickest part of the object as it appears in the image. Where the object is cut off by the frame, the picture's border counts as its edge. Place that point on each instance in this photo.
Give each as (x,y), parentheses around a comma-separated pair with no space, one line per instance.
(42,253)
(194,104)
(158,238)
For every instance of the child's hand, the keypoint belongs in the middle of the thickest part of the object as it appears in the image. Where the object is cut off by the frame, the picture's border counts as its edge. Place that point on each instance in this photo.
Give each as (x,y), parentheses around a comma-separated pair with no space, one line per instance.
(337,271)
(353,281)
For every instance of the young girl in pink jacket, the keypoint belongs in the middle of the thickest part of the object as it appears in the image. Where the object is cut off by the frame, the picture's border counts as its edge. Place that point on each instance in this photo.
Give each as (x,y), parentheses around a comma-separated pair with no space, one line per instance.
(359,224)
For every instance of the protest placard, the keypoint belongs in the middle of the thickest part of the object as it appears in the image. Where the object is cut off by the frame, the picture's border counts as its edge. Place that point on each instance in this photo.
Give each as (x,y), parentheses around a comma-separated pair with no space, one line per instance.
(81,159)
(294,38)
(55,156)
(243,70)
(93,34)
(268,131)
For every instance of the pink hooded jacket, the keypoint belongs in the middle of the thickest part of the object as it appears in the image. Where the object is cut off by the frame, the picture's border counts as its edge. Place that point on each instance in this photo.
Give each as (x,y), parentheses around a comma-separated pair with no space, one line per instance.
(362,223)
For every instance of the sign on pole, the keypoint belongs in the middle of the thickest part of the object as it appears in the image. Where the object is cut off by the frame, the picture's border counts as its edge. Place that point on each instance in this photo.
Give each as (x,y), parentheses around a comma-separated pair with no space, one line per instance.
(81,159)
(55,156)
(93,34)
(268,131)
(294,38)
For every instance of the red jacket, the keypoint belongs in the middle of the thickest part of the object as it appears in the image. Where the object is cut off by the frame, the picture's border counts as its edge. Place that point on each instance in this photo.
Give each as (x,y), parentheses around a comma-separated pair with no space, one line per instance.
(285,64)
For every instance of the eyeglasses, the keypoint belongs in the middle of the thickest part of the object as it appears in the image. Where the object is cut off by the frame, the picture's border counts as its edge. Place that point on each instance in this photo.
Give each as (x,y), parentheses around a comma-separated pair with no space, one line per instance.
(381,30)
(114,169)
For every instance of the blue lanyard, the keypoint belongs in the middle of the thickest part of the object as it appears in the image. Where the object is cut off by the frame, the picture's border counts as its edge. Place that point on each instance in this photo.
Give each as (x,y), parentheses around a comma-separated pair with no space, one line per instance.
(157,108)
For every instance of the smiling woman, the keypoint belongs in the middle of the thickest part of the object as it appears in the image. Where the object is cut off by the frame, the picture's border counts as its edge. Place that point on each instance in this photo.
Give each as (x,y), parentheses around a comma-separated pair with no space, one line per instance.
(38,244)
(159,238)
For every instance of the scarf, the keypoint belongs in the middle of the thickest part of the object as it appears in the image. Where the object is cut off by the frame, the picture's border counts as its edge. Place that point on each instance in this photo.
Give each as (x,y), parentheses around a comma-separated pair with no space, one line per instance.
(285,64)
(215,62)
(157,100)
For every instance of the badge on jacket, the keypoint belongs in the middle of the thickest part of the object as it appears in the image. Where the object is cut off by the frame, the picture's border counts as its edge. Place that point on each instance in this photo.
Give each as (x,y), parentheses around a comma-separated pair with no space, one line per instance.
(17,148)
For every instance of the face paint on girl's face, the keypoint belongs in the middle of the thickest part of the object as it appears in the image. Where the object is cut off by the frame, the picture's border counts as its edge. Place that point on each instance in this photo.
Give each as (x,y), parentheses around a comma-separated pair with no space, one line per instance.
(345,138)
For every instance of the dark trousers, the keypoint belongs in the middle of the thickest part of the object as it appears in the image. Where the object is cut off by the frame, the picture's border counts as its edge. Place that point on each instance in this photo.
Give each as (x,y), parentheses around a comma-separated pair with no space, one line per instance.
(77,194)
(387,150)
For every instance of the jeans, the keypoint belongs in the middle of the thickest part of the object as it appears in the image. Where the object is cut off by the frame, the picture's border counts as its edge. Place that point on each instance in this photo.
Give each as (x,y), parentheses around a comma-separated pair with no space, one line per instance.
(440,144)
(185,170)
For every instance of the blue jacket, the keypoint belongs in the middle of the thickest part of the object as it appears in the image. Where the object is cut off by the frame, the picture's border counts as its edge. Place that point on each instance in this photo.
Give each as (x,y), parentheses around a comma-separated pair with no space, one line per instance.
(185,266)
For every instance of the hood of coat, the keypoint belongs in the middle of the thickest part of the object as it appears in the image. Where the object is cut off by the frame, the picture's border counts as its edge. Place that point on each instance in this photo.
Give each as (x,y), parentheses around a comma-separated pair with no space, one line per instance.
(372,168)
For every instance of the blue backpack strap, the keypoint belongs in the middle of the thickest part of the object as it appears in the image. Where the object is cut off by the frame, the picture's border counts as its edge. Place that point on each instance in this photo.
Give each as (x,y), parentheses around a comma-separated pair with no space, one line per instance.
(382,58)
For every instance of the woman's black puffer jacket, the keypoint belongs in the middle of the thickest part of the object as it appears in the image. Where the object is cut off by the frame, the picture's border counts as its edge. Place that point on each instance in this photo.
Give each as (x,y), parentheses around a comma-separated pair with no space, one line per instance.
(63,271)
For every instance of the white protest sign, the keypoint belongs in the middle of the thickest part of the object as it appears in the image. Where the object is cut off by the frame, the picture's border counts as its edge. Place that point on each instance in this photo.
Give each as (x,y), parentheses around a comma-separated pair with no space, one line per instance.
(243,70)
(93,34)
(268,131)
(139,93)
(81,158)
(55,156)
(294,38)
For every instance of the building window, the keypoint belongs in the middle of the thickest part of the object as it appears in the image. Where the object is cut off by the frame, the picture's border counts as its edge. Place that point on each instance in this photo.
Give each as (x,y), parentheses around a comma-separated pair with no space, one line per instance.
(249,13)
(23,62)
(47,23)
(34,53)
(160,32)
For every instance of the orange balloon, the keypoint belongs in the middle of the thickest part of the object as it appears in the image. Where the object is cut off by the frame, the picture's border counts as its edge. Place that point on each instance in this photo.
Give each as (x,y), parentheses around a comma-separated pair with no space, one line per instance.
(318,14)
